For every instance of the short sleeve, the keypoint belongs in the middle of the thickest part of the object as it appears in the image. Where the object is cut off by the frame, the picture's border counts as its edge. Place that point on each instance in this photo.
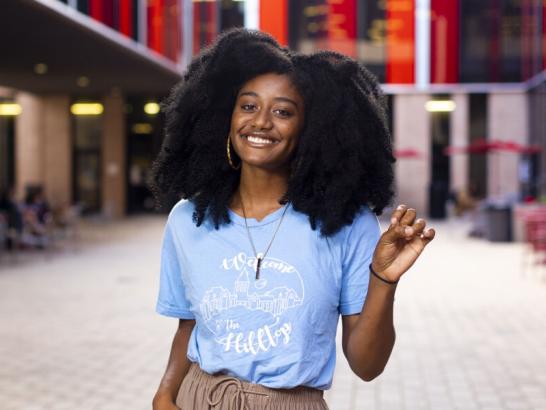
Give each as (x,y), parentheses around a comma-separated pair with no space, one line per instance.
(359,247)
(172,299)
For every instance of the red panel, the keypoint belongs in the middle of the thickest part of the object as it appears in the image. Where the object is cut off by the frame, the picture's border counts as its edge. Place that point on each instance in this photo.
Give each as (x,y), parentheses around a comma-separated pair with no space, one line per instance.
(171,30)
(155,25)
(126,17)
(211,19)
(342,26)
(96,9)
(401,41)
(274,19)
(108,12)
(103,11)
(444,41)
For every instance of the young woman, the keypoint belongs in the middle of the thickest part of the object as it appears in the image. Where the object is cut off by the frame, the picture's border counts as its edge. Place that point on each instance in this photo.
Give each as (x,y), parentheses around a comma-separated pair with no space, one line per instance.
(284,160)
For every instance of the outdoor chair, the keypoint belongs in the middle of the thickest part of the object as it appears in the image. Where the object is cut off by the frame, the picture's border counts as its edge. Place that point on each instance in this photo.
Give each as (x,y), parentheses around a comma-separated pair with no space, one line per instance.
(535,240)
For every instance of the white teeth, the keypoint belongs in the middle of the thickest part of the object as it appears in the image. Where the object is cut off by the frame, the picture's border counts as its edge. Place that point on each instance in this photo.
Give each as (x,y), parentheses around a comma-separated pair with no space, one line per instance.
(258,140)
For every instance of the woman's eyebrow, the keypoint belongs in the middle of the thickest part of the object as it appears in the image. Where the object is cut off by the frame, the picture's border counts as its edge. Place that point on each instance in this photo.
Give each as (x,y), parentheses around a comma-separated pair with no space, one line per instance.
(284,99)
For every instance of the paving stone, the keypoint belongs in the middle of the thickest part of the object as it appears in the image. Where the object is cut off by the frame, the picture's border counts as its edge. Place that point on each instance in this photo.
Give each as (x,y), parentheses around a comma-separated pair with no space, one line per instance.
(79,329)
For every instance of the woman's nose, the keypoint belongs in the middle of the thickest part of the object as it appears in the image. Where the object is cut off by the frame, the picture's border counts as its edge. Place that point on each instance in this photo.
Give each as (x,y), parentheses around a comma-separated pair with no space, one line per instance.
(262,120)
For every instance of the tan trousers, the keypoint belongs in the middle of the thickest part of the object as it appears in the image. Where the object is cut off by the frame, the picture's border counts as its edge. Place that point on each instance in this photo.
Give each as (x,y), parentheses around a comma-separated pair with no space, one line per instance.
(201,391)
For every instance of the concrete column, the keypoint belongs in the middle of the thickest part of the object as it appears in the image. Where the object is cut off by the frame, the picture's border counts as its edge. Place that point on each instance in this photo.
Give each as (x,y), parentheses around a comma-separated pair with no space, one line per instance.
(507,120)
(29,159)
(459,138)
(412,130)
(113,157)
(57,147)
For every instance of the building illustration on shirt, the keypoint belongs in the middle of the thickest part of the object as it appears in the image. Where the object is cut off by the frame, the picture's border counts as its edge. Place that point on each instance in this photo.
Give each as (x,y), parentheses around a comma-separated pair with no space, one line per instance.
(274,301)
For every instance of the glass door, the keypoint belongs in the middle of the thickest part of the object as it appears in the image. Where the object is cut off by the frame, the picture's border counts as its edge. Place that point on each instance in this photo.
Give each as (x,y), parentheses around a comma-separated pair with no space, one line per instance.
(87,162)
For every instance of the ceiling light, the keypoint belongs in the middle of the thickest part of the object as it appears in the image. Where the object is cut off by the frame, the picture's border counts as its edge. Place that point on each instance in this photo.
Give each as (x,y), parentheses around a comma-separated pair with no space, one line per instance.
(440,106)
(151,108)
(40,68)
(86,109)
(10,109)
(83,81)
(142,128)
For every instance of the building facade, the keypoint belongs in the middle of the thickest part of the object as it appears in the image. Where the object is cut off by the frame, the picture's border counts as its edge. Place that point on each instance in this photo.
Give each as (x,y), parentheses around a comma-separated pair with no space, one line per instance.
(82,122)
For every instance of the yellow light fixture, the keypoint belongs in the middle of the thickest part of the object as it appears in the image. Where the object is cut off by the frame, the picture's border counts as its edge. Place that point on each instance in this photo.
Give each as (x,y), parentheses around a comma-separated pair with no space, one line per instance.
(87,109)
(40,68)
(440,106)
(10,109)
(142,128)
(83,81)
(151,108)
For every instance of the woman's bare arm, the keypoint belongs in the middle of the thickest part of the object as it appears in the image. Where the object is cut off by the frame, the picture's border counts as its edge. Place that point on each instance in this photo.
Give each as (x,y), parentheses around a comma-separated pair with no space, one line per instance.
(368,338)
(177,368)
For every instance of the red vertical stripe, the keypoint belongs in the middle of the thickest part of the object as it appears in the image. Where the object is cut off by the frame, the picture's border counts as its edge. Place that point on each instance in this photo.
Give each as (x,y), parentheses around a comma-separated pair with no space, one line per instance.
(155,25)
(96,9)
(342,26)
(444,41)
(211,19)
(401,41)
(103,11)
(274,19)
(108,12)
(171,30)
(126,17)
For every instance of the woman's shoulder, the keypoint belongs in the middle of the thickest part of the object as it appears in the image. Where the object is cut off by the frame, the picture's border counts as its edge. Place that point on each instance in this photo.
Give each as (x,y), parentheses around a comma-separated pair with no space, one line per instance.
(365,222)
(181,212)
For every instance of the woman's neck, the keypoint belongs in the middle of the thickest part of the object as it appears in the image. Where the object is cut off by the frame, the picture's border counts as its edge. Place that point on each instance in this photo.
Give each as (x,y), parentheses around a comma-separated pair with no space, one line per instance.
(260,191)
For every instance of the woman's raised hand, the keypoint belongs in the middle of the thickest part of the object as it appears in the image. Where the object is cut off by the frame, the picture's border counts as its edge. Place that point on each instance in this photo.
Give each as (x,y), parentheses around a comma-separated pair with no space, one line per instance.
(401,244)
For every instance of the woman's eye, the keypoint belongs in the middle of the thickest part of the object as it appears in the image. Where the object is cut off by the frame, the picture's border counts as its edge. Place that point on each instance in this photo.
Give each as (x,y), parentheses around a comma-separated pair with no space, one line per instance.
(247,107)
(283,113)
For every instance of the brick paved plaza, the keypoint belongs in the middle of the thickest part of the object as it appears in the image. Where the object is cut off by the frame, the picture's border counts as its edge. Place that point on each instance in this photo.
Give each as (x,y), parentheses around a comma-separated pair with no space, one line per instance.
(78,328)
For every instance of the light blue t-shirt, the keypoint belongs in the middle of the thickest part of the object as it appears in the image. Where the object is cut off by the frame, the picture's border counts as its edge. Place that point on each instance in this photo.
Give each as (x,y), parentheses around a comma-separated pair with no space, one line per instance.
(277,331)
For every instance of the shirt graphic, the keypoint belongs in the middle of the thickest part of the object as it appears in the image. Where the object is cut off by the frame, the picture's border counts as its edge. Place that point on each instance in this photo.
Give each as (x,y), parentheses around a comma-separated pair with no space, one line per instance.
(226,310)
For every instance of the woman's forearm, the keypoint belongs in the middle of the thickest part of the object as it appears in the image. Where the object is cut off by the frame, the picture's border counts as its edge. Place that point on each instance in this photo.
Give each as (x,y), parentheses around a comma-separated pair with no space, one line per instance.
(177,366)
(370,339)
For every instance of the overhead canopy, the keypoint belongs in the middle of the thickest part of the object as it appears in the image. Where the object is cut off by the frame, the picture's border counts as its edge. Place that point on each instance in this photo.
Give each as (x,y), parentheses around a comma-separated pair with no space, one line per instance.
(72,46)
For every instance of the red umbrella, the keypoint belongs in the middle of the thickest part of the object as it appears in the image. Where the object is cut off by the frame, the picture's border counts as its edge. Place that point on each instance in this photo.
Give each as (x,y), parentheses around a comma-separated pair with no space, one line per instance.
(409,153)
(483,146)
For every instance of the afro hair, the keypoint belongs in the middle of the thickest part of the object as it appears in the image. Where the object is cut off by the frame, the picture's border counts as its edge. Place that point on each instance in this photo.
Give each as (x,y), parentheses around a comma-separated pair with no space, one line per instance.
(343,160)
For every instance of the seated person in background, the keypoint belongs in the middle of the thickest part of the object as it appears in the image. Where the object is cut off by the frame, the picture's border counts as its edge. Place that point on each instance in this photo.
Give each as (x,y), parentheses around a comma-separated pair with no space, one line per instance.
(37,219)
(13,216)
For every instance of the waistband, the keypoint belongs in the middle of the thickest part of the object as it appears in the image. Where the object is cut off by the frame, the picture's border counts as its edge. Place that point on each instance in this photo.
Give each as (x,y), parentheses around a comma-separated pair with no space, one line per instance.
(222,387)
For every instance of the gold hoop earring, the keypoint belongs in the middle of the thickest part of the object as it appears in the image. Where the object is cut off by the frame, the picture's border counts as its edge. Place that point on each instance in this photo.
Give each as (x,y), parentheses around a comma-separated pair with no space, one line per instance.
(230,161)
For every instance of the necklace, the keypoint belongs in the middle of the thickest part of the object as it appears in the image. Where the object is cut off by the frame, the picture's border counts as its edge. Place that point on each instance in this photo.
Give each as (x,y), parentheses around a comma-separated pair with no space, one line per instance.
(260,258)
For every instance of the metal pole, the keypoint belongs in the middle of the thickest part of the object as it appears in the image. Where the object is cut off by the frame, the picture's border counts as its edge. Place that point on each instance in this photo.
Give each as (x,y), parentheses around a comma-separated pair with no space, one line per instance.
(186,19)
(422,43)
(143,22)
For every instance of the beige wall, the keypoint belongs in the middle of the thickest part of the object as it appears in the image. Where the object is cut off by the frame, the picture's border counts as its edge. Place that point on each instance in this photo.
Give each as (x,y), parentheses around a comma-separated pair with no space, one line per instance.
(57,150)
(29,164)
(459,125)
(42,146)
(412,130)
(506,120)
(113,157)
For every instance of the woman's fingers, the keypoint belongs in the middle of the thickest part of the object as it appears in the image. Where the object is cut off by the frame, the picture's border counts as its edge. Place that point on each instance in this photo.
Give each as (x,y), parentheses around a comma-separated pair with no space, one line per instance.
(428,235)
(409,217)
(398,213)
(404,224)
(418,227)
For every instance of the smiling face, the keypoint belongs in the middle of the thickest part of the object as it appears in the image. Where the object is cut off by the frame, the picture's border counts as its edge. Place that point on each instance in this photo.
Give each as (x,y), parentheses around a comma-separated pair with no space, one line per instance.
(266,121)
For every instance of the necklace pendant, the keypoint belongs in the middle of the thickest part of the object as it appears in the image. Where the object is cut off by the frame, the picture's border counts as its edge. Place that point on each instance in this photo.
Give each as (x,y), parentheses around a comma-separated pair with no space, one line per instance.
(258,264)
